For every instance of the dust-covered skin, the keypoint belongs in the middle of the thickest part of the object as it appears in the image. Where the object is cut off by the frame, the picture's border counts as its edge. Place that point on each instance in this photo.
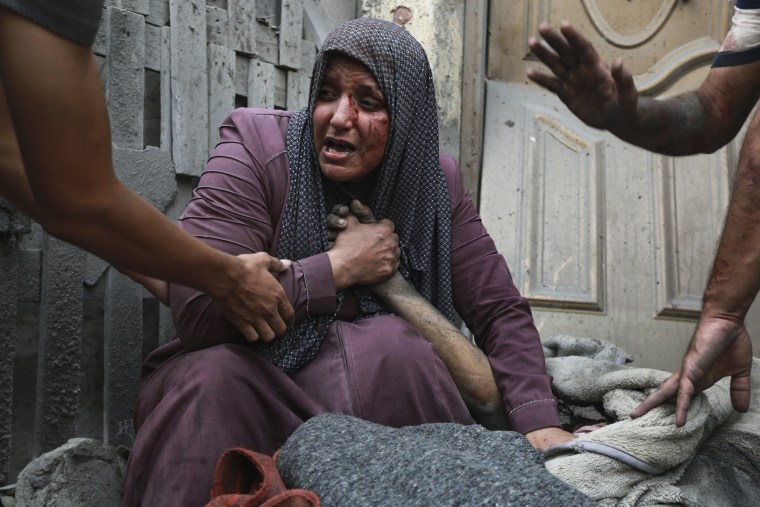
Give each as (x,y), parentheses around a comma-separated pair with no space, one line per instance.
(467,364)
(605,97)
(698,121)
(721,346)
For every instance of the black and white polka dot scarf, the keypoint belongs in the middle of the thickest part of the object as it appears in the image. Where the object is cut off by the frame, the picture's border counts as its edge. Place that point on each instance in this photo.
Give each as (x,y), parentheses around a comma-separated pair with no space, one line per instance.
(411,189)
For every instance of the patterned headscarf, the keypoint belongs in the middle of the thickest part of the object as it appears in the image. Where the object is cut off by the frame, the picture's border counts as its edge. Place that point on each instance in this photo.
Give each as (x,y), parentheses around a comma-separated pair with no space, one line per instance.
(410,190)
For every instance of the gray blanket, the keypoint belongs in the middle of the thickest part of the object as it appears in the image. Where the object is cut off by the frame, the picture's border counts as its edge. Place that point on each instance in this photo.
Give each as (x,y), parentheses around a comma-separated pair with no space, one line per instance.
(350,462)
(713,460)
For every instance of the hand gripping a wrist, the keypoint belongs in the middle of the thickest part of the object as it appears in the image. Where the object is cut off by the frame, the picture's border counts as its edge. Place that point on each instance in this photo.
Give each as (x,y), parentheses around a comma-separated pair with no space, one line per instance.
(363,251)
(257,305)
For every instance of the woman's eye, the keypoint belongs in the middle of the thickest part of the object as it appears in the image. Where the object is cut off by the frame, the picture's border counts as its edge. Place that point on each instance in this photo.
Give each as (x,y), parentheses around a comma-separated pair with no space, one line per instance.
(370,103)
(325,94)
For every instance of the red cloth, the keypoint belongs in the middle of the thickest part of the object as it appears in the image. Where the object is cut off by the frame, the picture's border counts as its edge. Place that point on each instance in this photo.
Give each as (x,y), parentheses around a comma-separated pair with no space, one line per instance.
(245,478)
(293,498)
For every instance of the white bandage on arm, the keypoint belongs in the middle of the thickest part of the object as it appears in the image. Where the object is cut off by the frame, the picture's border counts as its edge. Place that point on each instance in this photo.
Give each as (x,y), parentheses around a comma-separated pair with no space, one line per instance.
(745,31)
(742,43)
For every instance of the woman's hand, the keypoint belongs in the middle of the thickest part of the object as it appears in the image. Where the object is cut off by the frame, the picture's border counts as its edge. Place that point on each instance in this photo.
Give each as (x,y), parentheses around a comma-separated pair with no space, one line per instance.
(362,250)
(546,437)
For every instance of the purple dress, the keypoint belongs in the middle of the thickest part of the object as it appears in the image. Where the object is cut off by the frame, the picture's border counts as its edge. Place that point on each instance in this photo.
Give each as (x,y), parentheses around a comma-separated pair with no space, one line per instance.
(208,391)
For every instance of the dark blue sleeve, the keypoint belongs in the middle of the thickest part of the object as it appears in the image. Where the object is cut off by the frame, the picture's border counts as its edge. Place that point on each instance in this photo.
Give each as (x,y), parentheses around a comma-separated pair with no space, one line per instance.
(733,58)
(748,4)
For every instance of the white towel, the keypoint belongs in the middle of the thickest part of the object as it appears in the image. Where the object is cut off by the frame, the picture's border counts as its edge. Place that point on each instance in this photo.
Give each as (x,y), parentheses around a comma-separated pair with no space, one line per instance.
(653,438)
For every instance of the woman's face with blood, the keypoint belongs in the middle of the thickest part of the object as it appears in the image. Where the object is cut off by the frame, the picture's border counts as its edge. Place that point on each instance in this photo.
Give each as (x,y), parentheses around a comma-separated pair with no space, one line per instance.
(351,121)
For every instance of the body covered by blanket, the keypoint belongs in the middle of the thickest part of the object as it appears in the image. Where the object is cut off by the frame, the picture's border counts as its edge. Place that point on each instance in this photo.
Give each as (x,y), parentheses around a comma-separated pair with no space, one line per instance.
(350,462)
(712,460)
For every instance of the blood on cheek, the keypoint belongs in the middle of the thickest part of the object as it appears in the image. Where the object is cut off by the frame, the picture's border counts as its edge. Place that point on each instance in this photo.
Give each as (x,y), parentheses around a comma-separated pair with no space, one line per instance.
(378,135)
(353,108)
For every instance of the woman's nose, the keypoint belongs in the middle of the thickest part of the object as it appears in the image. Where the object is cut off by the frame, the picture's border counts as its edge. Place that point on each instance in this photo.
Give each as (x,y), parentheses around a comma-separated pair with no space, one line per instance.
(345,111)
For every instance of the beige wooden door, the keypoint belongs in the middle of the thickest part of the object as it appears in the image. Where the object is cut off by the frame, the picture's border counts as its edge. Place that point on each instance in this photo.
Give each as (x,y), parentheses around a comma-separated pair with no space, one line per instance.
(606,240)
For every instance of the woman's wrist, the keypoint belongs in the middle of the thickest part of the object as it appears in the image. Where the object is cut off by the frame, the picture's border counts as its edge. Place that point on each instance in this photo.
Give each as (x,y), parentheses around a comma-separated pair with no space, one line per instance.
(341,275)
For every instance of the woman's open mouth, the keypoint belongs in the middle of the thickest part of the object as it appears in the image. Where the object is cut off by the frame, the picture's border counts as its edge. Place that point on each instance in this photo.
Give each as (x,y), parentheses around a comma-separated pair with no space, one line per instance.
(338,147)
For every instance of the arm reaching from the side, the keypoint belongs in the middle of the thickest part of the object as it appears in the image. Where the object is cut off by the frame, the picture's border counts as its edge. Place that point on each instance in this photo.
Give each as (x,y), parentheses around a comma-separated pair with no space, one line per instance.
(467,364)
(60,172)
(605,97)
(721,346)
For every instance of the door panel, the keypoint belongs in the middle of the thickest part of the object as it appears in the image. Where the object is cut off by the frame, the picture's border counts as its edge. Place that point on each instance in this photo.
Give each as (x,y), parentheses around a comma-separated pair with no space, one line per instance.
(563,250)
(666,38)
(605,239)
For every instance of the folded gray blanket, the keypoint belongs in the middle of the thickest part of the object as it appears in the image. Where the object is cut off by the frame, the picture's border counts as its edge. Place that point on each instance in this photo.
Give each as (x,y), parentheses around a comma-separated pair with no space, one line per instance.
(561,345)
(350,462)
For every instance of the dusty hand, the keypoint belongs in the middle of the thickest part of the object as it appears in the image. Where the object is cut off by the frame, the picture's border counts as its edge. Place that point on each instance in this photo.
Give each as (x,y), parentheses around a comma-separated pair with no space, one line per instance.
(603,97)
(546,437)
(258,306)
(336,222)
(362,251)
(719,348)
(336,219)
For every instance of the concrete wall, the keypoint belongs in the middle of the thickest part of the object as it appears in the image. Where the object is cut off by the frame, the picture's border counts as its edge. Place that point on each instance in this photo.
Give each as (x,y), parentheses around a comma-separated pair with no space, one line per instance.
(337,11)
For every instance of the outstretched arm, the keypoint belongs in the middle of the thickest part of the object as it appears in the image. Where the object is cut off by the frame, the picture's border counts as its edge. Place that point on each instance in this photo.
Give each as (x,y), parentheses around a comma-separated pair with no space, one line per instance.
(605,97)
(721,346)
(15,186)
(67,183)
(467,364)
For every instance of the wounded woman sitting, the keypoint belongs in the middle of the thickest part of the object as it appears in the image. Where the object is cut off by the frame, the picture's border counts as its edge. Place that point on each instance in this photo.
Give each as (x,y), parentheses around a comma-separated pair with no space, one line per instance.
(370,133)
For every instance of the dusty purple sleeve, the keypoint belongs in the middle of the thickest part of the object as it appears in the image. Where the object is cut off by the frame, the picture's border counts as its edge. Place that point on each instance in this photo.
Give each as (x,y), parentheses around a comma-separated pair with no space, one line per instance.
(496,313)
(234,208)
